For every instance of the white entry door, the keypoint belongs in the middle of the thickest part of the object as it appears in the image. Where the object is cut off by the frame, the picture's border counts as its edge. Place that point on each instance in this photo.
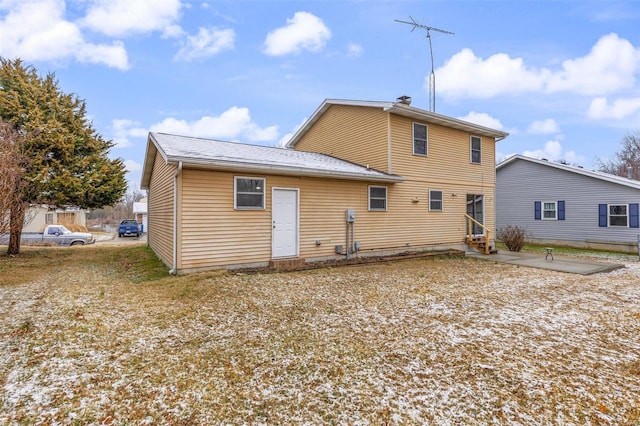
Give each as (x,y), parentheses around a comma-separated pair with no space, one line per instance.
(284,215)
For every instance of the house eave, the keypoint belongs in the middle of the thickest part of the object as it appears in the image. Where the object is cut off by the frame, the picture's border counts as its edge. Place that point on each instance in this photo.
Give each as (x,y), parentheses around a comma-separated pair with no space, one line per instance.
(403,110)
(443,120)
(572,169)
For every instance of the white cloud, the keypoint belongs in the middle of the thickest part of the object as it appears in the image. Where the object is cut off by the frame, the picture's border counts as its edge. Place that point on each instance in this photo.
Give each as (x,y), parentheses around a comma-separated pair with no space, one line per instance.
(286,138)
(610,66)
(36,31)
(123,129)
(303,32)
(553,151)
(483,119)
(207,42)
(544,127)
(466,75)
(132,166)
(621,108)
(232,124)
(119,18)
(354,50)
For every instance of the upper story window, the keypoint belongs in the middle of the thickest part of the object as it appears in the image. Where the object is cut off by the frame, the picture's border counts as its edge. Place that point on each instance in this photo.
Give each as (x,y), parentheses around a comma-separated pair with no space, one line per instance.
(249,193)
(420,139)
(476,149)
(435,201)
(378,198)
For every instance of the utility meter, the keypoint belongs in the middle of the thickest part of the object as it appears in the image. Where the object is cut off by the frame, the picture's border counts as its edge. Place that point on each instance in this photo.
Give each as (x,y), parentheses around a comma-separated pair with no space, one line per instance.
(351,216)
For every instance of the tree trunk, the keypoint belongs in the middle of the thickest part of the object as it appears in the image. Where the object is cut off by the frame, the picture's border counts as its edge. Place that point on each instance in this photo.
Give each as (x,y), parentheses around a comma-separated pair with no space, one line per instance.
(16,223)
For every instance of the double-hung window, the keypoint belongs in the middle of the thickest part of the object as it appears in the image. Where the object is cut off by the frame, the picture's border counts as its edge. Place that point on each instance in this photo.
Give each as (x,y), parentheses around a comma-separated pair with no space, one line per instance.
(249,193)
(476,149)
(549,210)
(435,200)
(377,198)
(618,215)
(420,146)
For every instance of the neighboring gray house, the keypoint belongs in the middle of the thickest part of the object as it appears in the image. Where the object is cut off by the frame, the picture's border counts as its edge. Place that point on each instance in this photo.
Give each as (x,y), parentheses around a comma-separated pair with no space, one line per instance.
(568,205)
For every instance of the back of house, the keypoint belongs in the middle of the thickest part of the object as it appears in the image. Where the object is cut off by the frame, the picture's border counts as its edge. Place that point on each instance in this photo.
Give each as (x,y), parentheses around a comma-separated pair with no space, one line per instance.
(359,178)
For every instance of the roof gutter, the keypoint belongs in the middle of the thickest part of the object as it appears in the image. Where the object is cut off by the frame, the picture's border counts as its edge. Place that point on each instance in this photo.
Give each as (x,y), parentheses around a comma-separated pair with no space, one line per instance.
(174,269)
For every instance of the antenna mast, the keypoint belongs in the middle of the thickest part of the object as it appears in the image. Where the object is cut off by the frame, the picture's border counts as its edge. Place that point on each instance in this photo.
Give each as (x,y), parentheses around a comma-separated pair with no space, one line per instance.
(432,76)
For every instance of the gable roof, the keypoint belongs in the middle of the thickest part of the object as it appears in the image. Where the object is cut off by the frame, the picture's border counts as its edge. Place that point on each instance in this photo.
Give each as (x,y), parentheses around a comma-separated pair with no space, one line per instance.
(573,169)
(402,109)
(230,156)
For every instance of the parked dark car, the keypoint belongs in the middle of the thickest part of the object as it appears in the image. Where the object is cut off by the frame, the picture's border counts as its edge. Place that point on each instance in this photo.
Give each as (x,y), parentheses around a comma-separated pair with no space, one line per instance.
(128,228)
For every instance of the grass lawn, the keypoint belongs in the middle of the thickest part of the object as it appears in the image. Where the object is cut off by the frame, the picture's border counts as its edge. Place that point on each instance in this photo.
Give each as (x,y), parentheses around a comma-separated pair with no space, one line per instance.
(101,335)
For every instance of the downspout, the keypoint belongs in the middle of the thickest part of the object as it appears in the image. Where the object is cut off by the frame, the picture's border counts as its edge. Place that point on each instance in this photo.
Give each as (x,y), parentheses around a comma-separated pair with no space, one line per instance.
(174,269)
(389,148)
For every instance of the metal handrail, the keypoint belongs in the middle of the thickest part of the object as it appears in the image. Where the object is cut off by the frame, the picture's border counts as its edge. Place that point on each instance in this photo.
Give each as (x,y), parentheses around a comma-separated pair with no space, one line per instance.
(487,232)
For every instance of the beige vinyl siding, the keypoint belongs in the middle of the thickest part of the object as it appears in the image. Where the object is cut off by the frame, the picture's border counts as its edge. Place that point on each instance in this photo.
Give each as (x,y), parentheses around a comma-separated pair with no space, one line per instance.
(448,156)
(213,232)
(160,209)
(357,134)
(447,167)
(216,235)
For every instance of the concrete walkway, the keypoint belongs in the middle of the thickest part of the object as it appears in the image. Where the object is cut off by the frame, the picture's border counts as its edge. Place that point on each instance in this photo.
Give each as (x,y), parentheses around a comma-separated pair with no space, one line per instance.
(568,264)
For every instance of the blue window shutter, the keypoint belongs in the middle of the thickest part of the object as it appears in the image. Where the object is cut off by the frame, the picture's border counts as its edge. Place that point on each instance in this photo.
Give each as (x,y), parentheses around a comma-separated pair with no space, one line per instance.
(602,215)
(560,210)
(633,216)
(537,207)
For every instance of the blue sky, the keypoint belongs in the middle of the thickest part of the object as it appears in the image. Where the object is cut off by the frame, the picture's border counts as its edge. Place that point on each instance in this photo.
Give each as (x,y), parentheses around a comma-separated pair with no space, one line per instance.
(562,77)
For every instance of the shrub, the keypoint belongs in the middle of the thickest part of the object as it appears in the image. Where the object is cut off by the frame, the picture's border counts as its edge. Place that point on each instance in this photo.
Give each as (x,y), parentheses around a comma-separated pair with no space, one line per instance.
(513,237)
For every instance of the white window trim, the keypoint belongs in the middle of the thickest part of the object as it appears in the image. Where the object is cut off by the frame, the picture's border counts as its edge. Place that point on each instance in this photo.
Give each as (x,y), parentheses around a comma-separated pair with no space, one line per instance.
(413,139)
(441,200)
(555,204)
(386,198)
(471,149)
(235,193)
(609,216)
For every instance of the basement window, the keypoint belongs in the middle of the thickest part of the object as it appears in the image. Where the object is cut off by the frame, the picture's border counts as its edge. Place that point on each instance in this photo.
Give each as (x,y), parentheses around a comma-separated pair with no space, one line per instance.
(249,193)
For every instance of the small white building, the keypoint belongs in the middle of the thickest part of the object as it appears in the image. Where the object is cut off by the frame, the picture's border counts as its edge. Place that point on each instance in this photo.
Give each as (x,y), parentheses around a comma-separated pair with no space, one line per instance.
(37,217)
(140,212)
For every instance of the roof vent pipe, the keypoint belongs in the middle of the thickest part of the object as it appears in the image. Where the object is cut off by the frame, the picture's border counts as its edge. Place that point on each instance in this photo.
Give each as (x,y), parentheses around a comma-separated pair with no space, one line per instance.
(630,172)
(404,100)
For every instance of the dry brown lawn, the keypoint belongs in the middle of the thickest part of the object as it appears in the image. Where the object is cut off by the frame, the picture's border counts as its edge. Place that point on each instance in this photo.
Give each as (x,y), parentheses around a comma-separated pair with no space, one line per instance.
(88,337)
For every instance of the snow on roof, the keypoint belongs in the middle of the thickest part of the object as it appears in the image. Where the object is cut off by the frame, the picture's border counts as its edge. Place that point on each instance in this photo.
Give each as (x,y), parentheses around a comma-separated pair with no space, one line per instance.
(215,154)
(574,169)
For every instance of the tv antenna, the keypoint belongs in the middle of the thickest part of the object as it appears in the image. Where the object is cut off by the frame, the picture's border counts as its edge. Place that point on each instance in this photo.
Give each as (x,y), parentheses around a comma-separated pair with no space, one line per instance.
(432,76)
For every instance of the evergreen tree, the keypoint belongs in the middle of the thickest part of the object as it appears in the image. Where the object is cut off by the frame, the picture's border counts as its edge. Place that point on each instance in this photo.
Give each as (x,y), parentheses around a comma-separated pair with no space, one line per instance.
(69,164)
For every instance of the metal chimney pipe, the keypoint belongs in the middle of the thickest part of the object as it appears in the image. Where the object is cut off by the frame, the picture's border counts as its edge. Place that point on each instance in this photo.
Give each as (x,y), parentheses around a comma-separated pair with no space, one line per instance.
(630,172)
